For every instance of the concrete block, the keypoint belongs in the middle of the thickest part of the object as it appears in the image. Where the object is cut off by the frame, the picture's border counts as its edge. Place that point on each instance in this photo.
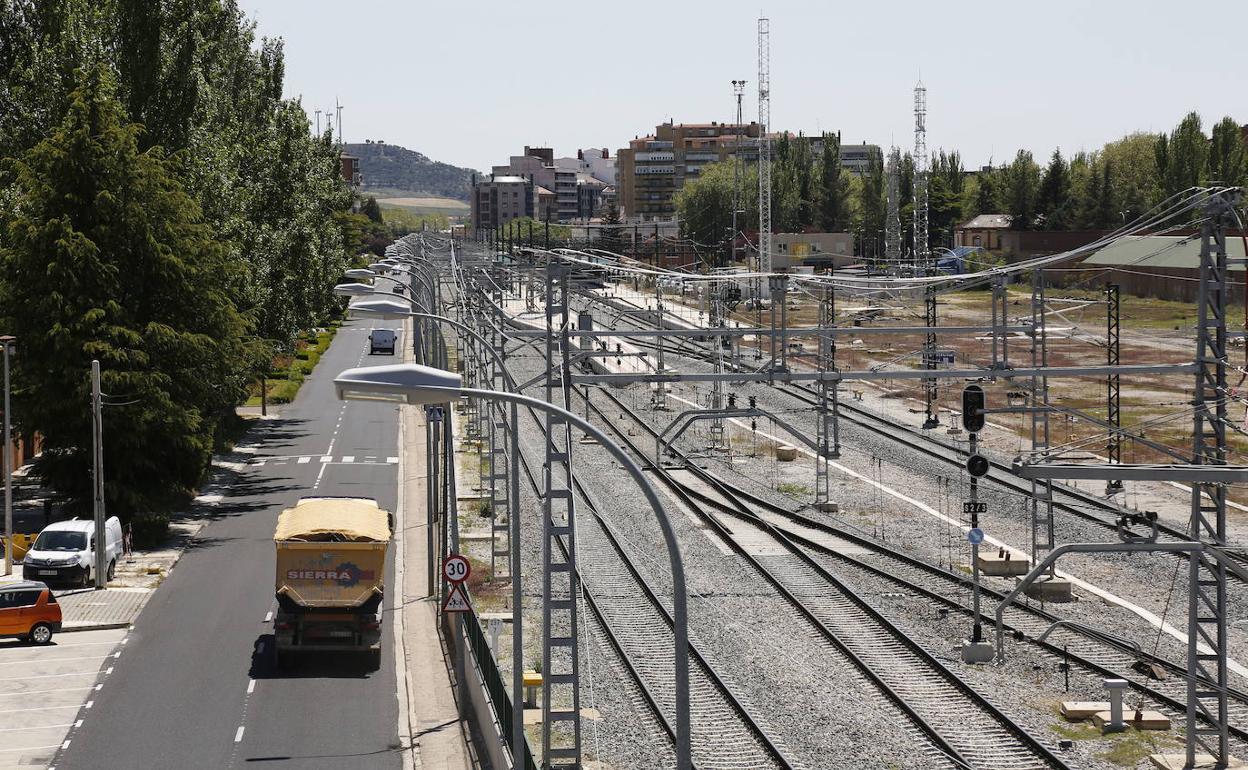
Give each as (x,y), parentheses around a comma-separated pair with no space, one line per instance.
(786,453)
(1077,710)
(1002,564)
(1051,590)
(977,652)
(1148,720)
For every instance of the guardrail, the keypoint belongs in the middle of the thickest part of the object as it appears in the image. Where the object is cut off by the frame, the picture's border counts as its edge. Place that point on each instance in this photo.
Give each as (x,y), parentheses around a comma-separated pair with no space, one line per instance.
(494,687)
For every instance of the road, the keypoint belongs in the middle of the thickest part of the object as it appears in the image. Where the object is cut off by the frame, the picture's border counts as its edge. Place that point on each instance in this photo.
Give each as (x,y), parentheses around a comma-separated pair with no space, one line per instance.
(196,685)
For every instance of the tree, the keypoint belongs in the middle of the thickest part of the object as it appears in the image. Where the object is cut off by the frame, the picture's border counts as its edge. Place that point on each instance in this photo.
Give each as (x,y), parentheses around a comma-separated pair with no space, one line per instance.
(1182,159)
(988,193)
(704,205)
(1228,153)
(833,213)
(108,258)
(371,209)
(609,238)
(1136,183)
(1053,208)
(872,207)
(1022,191)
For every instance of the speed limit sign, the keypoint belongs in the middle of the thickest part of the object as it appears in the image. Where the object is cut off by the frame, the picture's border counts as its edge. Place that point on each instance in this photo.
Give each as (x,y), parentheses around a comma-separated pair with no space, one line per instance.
(456,569)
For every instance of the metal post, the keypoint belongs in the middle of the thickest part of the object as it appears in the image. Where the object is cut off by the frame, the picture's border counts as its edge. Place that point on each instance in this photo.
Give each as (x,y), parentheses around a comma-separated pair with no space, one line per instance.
(1207,603)
(547,229)
(430,505)
(1113,383)
(97,424)
(931,394)
(1043,534)
(559,521)
(7,341)
(977,631)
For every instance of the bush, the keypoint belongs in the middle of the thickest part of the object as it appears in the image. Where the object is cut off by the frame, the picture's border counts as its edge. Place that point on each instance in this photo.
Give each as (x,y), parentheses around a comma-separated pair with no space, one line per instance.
(149,530)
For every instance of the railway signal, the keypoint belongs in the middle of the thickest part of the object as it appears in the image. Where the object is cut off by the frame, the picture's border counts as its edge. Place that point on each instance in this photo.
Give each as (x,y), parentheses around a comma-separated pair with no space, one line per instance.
(973,404)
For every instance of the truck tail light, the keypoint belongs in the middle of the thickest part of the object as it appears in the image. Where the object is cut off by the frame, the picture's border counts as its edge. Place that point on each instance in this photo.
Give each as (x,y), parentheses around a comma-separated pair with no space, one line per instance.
(283,626)
(372,625)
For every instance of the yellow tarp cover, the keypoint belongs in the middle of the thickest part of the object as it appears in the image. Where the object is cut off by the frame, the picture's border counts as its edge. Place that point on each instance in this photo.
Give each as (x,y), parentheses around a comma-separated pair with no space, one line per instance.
(320,519)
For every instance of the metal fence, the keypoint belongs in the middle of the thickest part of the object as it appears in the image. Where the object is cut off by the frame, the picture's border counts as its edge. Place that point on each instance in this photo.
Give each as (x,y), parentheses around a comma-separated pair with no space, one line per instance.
(494,684)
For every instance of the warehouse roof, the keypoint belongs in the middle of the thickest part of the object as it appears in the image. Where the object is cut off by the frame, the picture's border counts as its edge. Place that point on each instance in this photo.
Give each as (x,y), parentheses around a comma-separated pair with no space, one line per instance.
(1173,251)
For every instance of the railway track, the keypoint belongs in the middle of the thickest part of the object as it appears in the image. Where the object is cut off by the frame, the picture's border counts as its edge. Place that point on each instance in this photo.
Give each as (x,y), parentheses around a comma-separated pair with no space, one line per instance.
(726,733)
(954,716)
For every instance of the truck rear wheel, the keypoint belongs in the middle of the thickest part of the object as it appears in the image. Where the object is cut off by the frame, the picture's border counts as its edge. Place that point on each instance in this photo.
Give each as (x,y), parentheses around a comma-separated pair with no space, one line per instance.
(374,660)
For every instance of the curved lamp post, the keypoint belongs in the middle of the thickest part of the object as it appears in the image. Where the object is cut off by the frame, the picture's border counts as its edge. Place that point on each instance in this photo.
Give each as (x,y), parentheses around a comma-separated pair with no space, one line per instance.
(416,384)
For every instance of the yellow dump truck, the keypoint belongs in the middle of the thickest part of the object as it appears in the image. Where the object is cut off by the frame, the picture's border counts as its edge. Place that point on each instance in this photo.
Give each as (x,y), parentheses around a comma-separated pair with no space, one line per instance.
(331,566)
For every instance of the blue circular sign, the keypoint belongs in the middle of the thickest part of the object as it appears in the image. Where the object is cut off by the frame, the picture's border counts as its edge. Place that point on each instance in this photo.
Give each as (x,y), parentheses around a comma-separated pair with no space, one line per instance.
(975,536)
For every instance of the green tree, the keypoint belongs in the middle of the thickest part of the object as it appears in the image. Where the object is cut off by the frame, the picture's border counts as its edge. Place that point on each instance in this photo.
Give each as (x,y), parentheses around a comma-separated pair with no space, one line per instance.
(1228,153)
(1136,180)
(1182,159)
(871,207)
(610,236)
(833,214)
(371,209)
(1053,206)
(1022,190)
(108,258)
(988,193)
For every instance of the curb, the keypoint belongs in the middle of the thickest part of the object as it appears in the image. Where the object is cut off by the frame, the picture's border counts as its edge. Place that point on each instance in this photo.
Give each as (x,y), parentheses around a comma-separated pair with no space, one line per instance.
(96,626)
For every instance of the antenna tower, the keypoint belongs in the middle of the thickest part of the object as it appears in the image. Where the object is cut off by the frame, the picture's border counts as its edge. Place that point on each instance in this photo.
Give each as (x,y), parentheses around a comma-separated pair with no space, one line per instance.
(738,89)
(892,225)
(922,252)
(764,146)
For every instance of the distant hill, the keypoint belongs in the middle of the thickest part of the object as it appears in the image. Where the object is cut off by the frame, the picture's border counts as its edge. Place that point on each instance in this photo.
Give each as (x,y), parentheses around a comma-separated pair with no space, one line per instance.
(393,168)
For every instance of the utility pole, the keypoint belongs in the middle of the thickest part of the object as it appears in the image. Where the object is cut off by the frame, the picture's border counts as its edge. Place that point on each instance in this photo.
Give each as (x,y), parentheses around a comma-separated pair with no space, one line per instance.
(318,122)
(7,342)
(738,89)
(764,149)
(97,424)
(922,254)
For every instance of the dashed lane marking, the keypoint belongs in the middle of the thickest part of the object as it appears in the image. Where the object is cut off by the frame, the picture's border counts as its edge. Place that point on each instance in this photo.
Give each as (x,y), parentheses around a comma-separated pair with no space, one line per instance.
(251,686)
(348,459)
(238,736)
(303,460)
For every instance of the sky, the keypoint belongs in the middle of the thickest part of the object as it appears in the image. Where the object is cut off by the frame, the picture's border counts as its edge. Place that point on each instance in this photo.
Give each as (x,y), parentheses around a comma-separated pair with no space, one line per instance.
(472,83)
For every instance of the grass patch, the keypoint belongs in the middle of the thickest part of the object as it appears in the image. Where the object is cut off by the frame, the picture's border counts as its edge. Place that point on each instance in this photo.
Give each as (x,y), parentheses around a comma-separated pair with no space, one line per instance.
(289,371)
(1125,749)
(791,488)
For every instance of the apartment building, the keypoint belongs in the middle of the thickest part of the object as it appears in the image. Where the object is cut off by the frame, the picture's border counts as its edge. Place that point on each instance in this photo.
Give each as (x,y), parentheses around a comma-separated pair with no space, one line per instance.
(500,199)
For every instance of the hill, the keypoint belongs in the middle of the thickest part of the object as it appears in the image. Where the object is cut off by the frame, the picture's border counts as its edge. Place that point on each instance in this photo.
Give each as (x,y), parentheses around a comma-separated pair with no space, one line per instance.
(392,168)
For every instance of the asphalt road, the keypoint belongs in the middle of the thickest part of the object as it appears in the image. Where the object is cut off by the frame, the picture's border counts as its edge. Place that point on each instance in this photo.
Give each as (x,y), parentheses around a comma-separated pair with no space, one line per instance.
(196,686)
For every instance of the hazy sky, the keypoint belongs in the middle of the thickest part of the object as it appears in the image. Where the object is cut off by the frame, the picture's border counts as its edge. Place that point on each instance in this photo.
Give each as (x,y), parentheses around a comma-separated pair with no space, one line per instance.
(471,83)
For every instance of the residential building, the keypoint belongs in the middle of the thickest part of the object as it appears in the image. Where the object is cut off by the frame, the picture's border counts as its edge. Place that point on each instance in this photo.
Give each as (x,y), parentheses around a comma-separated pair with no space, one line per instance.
(653,168)
(597,163)
(500,199)
(350,169)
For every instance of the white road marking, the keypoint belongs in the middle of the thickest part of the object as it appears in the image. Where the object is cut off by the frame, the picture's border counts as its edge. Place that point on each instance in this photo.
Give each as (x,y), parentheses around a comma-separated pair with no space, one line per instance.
(319,475)
(99,687)
(109,671)
(261,461)
(45,676)
(209,499)
(40,727)
(327,458)
(251,686)
(304,460)
(268,616)
(65,745)
(52,660)
(38,708)
(41,692)
(77,724)
(90,703)
(392,460)
(231,466)
(348,458)
(238,736)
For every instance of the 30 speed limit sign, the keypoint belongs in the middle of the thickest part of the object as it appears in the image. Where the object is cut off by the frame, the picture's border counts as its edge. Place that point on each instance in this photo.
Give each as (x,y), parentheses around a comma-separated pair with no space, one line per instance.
(455,568)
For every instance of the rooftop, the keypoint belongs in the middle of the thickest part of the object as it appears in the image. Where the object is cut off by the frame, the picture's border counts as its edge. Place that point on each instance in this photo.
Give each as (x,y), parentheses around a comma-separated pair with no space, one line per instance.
(988,222)
(1174,251)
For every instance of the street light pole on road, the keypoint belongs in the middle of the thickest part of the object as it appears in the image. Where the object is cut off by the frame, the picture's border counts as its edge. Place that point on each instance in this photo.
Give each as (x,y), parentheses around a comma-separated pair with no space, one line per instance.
(416,384)
(7,342)
(97,476)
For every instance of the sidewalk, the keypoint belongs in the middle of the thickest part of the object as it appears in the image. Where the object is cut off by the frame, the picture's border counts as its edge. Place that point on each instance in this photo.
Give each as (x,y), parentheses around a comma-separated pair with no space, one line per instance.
(437,732)
(139,573)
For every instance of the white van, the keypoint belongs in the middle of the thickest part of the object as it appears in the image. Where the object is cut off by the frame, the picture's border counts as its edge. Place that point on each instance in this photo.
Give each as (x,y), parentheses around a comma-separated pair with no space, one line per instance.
(381,341)
(64,552)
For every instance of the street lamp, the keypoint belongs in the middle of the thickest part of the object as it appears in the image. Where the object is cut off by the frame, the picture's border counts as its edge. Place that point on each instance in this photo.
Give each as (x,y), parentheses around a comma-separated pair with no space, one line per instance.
(416,384)
(7,341)
(353,290)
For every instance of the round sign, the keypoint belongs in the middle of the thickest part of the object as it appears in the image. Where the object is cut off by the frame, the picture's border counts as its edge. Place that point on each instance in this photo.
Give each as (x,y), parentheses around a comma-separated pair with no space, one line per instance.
(975,536)
(456,569)
(977,465)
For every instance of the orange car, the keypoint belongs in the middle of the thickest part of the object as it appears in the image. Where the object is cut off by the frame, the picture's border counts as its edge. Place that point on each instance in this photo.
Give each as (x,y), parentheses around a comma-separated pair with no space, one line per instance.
(29,611)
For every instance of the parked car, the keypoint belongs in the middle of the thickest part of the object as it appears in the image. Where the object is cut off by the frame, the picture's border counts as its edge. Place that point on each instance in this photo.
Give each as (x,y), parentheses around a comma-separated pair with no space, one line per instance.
(381,342)
(64,552)
(29,611)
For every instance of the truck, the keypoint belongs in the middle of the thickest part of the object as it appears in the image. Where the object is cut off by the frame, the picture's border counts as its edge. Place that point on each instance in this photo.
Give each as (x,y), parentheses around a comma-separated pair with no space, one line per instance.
(331,566)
